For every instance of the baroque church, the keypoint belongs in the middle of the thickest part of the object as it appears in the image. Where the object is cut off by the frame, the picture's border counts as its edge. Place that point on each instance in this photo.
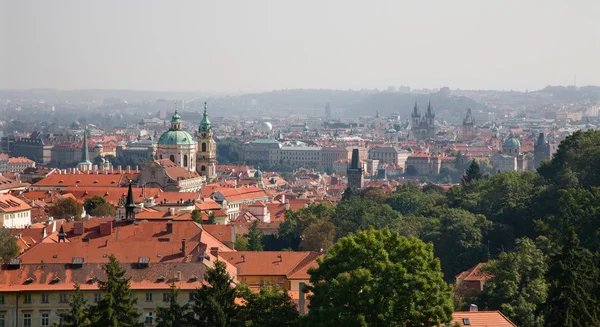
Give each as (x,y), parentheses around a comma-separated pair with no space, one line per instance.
(180,162)
(423,126)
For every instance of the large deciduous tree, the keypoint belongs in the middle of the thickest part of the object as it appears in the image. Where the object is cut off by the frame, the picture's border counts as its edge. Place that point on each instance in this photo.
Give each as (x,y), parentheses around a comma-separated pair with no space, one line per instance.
(379,278)
(270,307)
(66,209)
(518,287)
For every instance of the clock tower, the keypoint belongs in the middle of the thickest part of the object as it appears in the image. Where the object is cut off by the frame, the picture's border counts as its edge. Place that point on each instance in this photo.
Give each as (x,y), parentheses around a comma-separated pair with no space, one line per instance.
(206,158)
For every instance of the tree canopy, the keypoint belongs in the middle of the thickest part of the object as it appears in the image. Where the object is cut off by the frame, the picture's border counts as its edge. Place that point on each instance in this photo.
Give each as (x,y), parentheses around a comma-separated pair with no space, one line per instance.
(364,281)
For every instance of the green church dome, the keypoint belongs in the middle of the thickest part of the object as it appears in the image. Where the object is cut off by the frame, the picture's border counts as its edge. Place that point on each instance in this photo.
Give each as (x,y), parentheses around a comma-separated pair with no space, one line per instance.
(176,137)
(512,142)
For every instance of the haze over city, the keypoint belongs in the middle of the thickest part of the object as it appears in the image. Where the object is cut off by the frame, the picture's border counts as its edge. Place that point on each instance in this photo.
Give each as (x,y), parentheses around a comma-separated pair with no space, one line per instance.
(232,46)
(299,163)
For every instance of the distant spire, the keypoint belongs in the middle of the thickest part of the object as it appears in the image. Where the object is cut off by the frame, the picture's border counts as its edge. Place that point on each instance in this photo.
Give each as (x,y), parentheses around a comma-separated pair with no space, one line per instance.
(130,204)
(416,109)
(205,123)
(429,110)
(85,160)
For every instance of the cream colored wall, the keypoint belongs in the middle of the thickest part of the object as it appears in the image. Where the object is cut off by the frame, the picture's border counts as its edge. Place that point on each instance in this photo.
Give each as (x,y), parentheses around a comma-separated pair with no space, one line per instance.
(54,307)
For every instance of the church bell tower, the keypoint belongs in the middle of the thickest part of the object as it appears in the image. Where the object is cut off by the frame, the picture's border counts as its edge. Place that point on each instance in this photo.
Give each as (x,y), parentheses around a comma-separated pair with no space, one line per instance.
(206,158)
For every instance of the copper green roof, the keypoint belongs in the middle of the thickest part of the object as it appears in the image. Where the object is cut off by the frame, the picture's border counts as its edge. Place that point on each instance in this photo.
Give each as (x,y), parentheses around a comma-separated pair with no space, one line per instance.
(176,137)
(205,123)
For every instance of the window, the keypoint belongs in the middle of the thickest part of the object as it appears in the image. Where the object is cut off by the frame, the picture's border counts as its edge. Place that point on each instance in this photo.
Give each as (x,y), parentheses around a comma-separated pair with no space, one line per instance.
(63,298)
(191,297)
(1,319)
(45,319)
(148,297)
(27,320)
(166,297)
(27,299)
(148,318)
(45,298)
(172,158)
(203,147)
(61,319)
(96,297)
(1,299)
(185,161)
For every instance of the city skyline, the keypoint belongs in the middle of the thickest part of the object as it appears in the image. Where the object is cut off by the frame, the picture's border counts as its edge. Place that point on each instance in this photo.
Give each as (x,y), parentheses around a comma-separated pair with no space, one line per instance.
(238,47)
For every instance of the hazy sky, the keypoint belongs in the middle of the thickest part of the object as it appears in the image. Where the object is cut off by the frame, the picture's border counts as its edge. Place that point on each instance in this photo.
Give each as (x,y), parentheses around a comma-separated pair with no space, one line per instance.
(259,45)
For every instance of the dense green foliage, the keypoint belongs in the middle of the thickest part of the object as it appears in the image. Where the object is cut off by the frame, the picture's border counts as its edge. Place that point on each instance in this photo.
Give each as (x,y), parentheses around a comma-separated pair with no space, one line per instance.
(214,304)
(77,315)
(175,314)
(8,245)
(97,206)
(116,308)
(255,237)
(67,208)
(364,281)
(270,307)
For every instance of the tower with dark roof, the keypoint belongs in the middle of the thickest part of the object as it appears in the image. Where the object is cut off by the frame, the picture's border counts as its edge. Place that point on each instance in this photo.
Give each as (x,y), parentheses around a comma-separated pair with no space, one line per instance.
(130,205)
(468,125)
(355,171)
(423,126)
(85,163)
(541,150)
(206,159)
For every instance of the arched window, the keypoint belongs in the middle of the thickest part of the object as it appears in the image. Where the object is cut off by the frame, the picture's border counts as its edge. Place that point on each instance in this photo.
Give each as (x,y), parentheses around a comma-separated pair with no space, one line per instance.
(161,157)
(202,170)
(203,147)
(185,161)
(172,157)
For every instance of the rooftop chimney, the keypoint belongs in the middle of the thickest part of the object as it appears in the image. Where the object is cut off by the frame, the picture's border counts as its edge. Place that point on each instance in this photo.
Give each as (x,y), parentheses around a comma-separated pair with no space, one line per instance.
(473,308)
(243,258)
(172,211)
(287,204)
(183,240)
(128,169)
(214,251)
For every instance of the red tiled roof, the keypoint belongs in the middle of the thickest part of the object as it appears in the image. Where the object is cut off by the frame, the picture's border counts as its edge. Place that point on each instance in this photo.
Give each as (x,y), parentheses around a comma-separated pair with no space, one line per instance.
(267,263)
(9,203)
(94,180)
(481,319)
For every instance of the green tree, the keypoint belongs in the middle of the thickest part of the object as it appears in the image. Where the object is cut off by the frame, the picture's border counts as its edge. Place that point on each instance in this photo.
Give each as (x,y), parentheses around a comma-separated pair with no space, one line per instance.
(318,236)
(92,203)
(212,219)
(117,308)
(379,278)
(358,213)
(241,243)
(104,210)
(66,209)
(573,276)
(197,216)
(473,173)
(214,304)
(174,315)
(255,237)
(8,245)
(518,287)
(270,307)
(576,160)
(77,315)
(296,222)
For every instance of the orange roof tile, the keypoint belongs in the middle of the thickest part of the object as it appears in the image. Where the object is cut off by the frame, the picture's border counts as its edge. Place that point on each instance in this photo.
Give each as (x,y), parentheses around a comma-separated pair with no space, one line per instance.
(481,319)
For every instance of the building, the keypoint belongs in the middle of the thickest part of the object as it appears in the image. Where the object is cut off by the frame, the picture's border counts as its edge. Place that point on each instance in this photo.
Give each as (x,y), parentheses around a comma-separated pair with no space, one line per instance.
(503,162)
(355,172)
(206,160)
(35,147)
(541,151)
(177,145)
(468,126)
(423,126)
(284,268)
(475,318)
(153,254)
(3,162)
(389,155)
(19,164)
(14,213)
(257,152)
(85,164)
(168,176)
(231,199)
